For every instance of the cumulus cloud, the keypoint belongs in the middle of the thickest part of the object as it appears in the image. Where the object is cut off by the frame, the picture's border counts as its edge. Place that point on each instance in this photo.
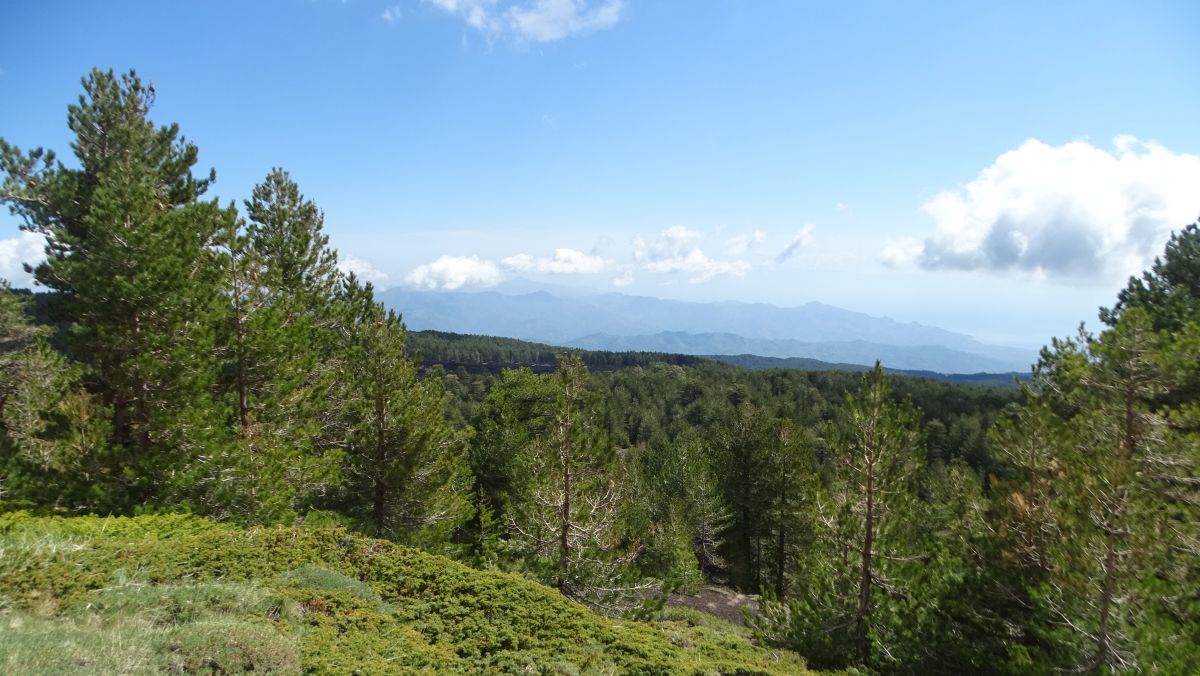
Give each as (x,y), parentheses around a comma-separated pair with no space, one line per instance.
(16,252)
(1069,211)
(738,245)
(453,272)
(363,269)
(796,244)
(624,279)
(564,262)
(676,250)
(902,251)
(536,20)
(673,242)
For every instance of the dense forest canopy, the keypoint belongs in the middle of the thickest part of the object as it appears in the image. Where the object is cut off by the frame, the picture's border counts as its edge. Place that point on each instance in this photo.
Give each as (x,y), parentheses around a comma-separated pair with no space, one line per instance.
(211,358)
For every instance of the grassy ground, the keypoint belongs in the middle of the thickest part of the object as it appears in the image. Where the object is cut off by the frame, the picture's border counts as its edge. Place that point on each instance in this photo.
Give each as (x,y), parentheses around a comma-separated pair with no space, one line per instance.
(174,594)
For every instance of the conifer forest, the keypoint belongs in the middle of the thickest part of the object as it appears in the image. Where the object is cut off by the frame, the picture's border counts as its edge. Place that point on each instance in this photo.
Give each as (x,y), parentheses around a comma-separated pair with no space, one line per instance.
(200,374)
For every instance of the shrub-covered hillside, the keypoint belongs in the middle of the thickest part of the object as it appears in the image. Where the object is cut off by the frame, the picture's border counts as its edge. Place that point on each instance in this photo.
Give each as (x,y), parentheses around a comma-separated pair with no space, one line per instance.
(183,594)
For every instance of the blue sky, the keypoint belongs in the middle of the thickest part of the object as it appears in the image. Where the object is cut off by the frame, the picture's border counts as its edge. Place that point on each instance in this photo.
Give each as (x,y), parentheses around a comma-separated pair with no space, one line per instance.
(993,168)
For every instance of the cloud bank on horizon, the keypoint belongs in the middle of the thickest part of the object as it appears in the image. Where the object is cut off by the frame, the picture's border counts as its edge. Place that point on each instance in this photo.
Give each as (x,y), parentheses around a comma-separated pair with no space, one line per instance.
(1073,212)
(564,262)
(362,269)
(674,253)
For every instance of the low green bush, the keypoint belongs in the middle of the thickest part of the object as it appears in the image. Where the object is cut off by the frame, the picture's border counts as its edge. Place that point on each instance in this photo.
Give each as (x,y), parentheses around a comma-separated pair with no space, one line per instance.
(326,580)
(344,603)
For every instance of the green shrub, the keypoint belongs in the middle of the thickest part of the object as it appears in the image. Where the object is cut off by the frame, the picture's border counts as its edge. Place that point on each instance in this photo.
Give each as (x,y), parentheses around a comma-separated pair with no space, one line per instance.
(324,579)
(353,603)
(343,636)
(106,527)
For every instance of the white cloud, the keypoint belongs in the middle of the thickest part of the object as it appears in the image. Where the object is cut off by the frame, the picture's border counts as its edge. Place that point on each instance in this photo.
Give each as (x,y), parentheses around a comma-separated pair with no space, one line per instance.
(738,245)
(674,242)
(27,247)
(1070,211)
(564,262)
(798,242)
(363,269)
(902,251)
(535,20)
(549,20)
(391,14)
(675,250)
(477,13)
(624,279)
(452,272)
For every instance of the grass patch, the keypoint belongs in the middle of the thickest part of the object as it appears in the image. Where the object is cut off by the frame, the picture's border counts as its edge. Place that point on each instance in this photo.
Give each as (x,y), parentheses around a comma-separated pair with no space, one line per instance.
(150,629)
(230,646)
(30,644)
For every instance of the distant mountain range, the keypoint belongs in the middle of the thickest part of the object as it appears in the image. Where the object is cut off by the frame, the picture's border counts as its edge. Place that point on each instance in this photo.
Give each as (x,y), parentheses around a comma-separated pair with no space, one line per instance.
(907,357)
(613,321)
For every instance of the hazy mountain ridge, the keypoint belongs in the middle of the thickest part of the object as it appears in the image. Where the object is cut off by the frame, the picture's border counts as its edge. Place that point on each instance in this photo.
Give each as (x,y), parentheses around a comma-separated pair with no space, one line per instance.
(490,354)
(757,363)
(918,357)
(814,330)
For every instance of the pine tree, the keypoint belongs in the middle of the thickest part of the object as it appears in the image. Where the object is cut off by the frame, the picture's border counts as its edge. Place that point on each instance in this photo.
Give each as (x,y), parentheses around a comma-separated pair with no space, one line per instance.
(742,473)
(1023,525)
(52,433)
(570,520)
(406,477)
(876,459)
(855,605)
(130,248)
(280,348)
(765,469)
(1170,290)
(678,509)
(791,483)
(515,412)
(1109,542)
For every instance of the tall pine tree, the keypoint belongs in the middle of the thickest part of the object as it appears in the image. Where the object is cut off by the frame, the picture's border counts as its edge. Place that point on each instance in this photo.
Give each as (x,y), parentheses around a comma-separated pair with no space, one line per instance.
(130,248)
(280,347)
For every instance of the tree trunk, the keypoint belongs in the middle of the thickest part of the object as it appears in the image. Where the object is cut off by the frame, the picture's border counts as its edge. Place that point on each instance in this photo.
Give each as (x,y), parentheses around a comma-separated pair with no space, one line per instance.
(781,546)
(1103,638)
(243,385)
(379,504)
(862,644)
(564,537)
